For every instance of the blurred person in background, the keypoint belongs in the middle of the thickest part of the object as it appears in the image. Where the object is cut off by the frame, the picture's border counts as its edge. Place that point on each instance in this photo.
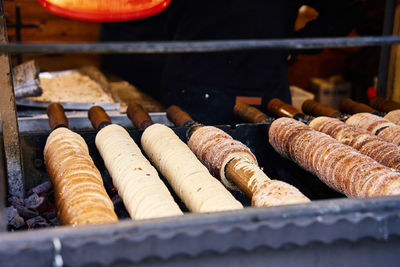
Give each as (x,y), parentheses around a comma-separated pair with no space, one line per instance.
(207,85)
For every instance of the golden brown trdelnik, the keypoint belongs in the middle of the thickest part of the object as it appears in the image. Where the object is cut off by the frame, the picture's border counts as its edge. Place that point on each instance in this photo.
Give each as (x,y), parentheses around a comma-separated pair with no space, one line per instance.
(379,126)
(79,191)
(216,149)
(339,166)
(368,144)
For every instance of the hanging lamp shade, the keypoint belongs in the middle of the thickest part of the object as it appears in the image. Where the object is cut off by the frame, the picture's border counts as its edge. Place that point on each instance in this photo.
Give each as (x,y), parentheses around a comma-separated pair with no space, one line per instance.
(105,10)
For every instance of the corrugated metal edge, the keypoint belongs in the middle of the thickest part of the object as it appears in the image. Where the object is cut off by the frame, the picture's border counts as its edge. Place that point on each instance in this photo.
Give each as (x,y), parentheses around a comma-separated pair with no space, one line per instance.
(194,234)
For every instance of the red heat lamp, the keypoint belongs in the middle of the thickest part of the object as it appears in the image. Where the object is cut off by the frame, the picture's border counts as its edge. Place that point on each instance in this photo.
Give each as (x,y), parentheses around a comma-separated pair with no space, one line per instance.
(105,10)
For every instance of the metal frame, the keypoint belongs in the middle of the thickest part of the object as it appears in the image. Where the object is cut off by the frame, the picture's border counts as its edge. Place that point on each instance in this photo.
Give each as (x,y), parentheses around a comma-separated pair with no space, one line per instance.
(8,117)
(342,232)
(199,46)
(383,71)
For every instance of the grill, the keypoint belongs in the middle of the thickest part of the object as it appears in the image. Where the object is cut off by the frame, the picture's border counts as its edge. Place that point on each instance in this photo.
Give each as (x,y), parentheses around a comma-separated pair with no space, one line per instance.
(332,230)
(330,222)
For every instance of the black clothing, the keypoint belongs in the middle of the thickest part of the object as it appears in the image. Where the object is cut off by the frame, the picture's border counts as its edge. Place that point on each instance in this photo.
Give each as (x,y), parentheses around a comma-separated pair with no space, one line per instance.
(206,84)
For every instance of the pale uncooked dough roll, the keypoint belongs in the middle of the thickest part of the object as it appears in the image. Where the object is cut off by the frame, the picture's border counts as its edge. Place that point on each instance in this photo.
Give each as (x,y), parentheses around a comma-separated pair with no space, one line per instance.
(339,166)
(215,149)
(190,179)
(79,191)
(144,194)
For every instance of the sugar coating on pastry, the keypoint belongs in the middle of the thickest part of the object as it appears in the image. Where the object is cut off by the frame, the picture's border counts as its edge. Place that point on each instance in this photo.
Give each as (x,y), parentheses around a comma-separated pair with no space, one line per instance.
(368,144)
(370,122)
(275,193)
(339,166)
(393,116)
(215,148)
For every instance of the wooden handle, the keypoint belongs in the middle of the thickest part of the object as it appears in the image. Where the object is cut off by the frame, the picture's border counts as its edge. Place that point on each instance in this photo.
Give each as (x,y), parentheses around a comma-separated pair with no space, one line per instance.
(281,109)
(178,116)
(57,118)
(98,117)
(139,117)
(383,105)
(239,177)
(316,109)
(352,107)
(249,113)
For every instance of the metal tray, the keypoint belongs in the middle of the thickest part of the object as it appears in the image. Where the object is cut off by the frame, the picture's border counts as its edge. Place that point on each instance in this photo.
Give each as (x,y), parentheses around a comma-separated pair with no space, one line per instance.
(94,74)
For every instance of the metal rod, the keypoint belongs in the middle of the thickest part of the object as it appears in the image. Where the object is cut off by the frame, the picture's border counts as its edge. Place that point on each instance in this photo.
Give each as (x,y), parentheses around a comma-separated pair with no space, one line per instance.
(18,29)
(198,46)
(384,60)
(8,115)
(3,177)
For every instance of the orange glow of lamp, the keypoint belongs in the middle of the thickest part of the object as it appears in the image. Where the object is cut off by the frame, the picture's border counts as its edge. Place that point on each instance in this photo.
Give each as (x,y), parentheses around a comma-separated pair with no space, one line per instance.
(105,10)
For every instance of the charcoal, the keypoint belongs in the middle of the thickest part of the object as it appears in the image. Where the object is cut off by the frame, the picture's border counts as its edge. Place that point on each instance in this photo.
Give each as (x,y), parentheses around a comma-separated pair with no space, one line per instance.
(42,225)
(32,223)
(54,221)
(35,202)
(49,214)
(17,222)
(16,201)
(49,194)
(42,188)
(13,219)
(50,197)
(116,200)
(27,213)
(11,213)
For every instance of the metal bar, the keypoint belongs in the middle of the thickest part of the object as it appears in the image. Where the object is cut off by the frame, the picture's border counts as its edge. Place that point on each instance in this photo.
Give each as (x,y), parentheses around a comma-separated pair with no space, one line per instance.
(8,116)
(18,29)
(3,219)
(163,240)
(390,7)
(198,46)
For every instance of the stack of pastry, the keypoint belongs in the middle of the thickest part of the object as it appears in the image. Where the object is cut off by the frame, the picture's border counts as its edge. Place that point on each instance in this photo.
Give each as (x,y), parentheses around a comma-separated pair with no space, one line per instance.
(79,191)
(339,166)
(216,149)
(200,191)
(145,196)
(386,153)
(379,126)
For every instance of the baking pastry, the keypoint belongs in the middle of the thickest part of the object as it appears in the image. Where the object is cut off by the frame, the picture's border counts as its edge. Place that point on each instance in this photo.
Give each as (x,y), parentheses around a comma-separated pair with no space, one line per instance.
(190,179)
(379,126)
(144,195)
(369,122)
(393,116)
(267,192)
(79,191)
(386,153)
(339,166)
(216,149)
